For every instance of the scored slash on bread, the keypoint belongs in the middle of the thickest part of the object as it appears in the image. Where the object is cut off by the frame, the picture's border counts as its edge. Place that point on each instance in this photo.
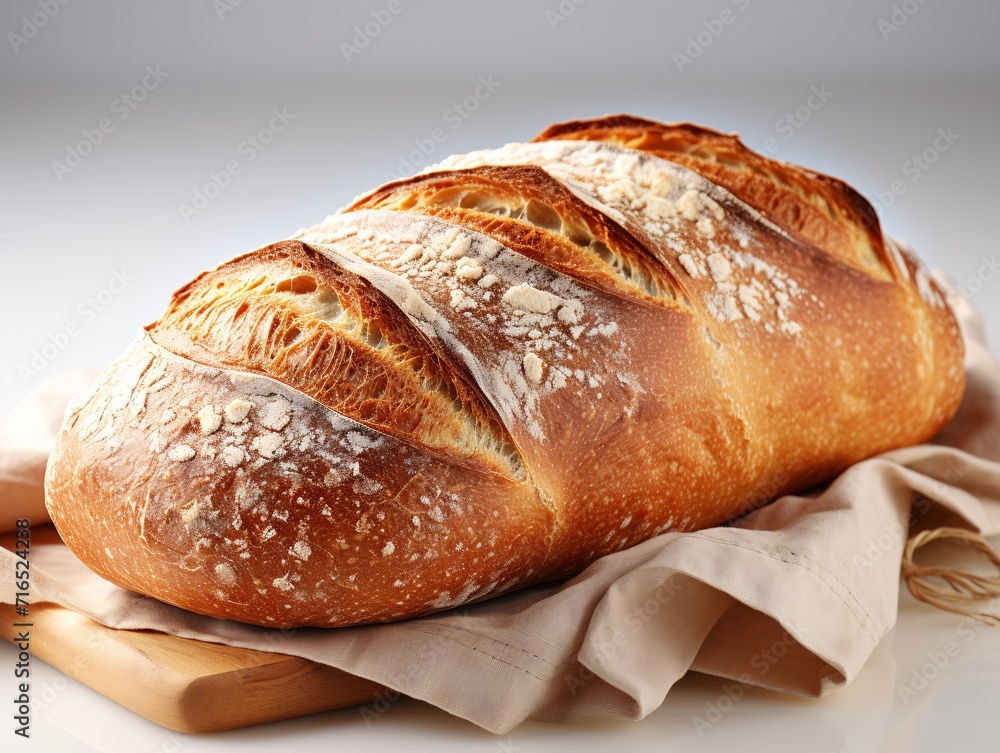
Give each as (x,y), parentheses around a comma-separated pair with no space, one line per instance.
(492,373)
(820,210)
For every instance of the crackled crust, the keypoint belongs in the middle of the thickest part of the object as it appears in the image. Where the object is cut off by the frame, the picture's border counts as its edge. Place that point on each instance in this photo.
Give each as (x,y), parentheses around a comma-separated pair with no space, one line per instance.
(492,373)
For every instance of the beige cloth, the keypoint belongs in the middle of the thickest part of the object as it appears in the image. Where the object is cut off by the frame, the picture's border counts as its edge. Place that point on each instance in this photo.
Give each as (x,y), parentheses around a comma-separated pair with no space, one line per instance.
(793,597)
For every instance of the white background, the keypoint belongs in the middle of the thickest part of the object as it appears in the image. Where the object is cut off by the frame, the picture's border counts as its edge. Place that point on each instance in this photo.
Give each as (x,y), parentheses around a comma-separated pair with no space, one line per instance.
(64,235)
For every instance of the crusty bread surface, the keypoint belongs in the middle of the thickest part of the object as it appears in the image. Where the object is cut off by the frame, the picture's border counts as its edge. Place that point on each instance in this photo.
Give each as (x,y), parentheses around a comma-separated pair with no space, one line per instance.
(490,374)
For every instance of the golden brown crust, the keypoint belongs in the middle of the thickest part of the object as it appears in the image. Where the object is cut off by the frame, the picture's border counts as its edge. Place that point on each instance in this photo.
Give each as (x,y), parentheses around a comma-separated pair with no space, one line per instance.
(483,198)
(520,361)
(288,312)
(819,209)
(285,513)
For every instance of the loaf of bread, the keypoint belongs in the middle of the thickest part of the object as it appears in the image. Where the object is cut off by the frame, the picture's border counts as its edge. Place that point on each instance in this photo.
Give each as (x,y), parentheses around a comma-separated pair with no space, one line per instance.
(493,373)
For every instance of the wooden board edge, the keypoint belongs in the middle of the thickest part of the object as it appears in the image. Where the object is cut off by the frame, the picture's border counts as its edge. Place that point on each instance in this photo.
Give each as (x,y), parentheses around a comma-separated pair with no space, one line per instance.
(174,696)
(296,687)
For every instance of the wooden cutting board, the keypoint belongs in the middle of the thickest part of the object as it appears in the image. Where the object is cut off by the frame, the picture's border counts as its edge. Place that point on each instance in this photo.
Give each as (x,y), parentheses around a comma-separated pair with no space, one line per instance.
(183,684)
(180,683)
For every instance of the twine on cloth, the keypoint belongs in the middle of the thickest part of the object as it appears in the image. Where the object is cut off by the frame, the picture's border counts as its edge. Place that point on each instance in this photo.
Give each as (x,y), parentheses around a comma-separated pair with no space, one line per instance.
(961,591)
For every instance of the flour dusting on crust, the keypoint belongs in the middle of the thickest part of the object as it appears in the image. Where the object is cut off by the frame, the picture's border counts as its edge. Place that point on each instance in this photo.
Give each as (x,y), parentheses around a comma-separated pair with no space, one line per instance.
(540,313)
(678,211)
